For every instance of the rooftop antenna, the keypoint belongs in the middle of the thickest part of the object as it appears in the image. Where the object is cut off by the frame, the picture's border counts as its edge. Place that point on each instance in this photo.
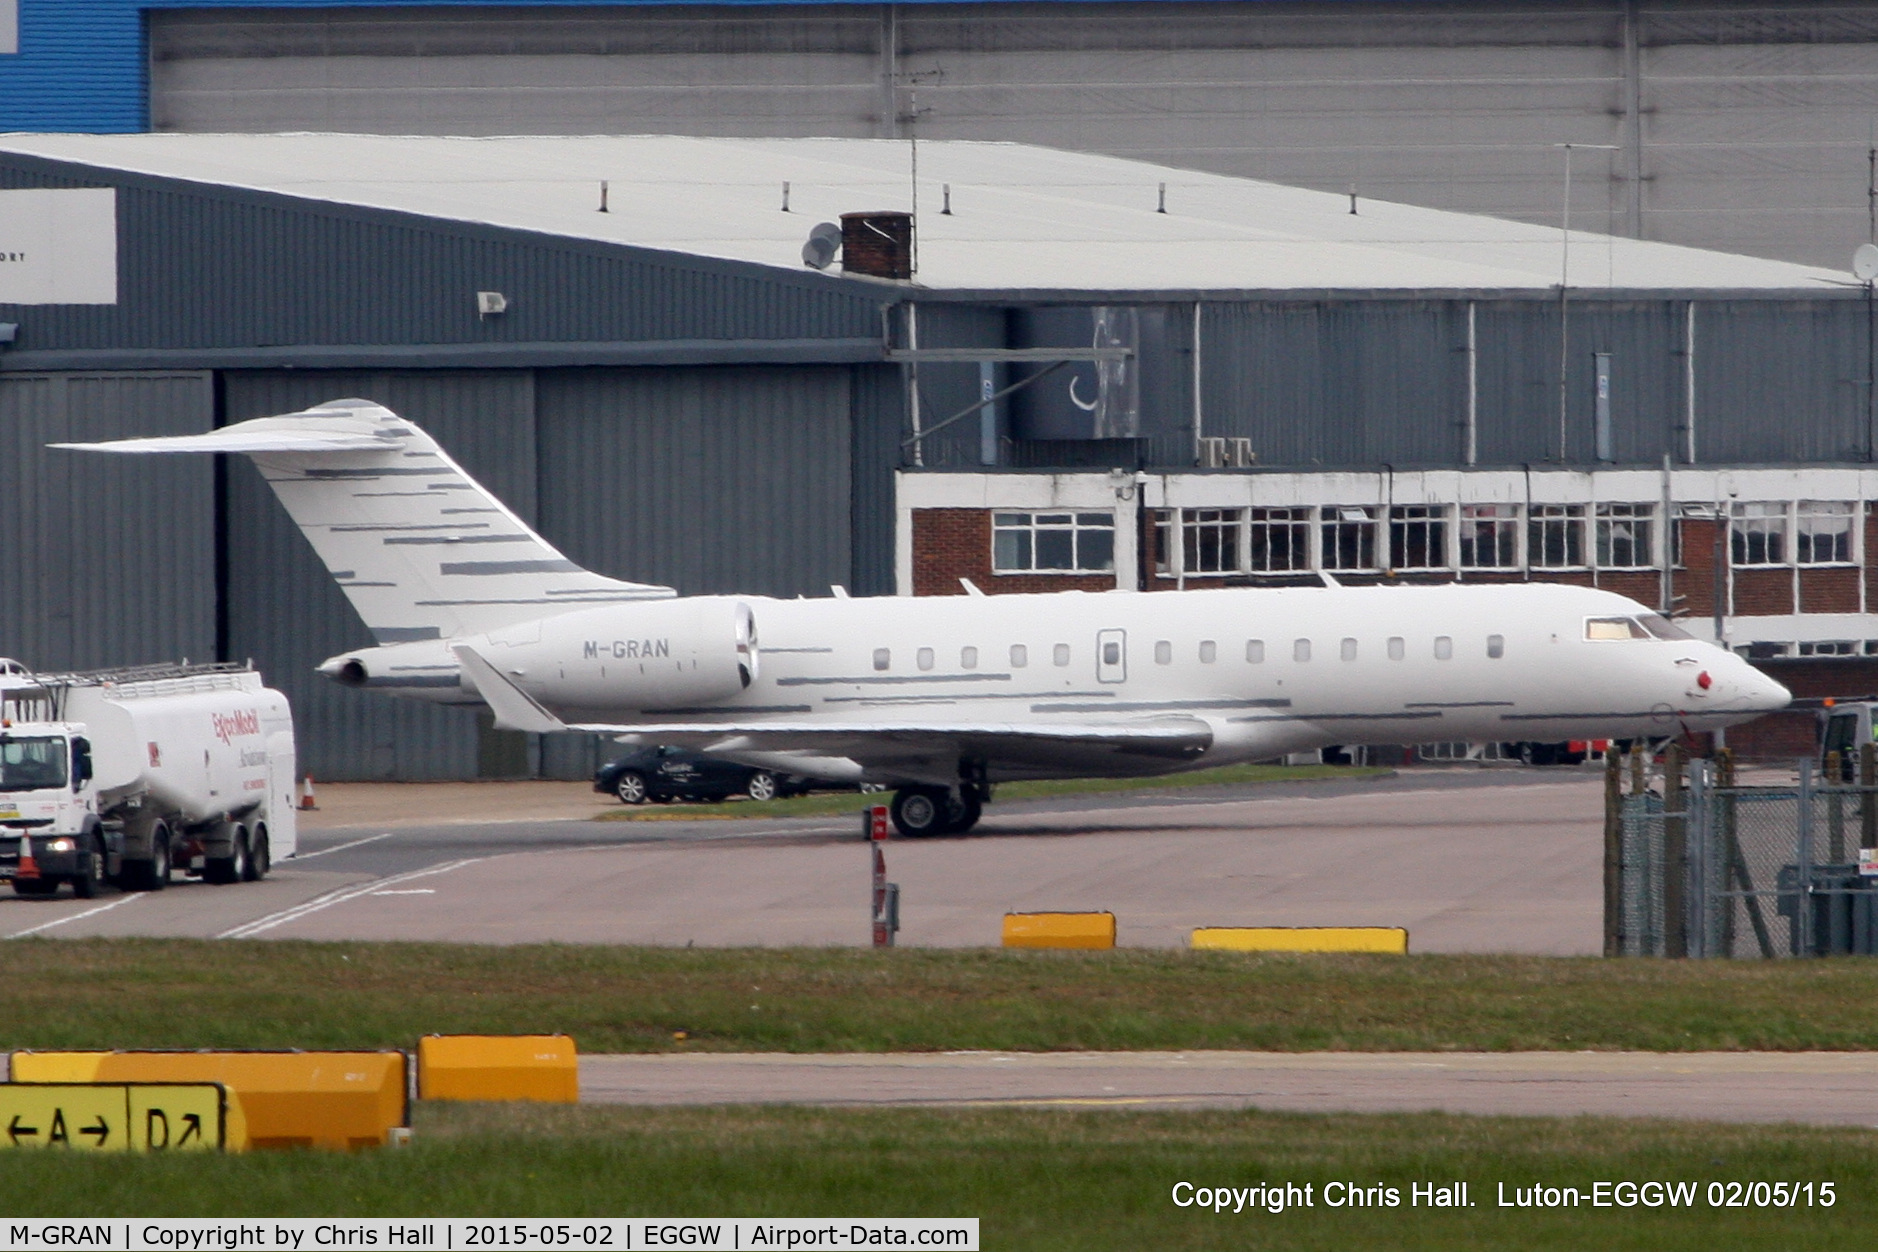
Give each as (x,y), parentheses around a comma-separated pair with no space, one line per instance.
(785,206)
(603,195)
(1352,199)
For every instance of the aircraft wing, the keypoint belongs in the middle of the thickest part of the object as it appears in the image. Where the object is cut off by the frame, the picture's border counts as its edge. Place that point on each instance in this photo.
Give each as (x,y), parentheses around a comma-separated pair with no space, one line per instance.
(915,748)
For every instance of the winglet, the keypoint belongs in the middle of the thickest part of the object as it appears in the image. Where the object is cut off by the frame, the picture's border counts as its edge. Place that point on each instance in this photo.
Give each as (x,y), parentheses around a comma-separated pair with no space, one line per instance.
(514,708)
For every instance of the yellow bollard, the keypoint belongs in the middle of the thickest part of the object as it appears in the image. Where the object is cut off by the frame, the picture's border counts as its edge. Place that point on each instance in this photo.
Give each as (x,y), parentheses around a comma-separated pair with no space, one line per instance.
(498,1067)
(1059,930)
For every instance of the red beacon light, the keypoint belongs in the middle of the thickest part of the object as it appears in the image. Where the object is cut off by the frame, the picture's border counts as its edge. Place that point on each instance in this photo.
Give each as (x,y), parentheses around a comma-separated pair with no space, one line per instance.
(1703,681)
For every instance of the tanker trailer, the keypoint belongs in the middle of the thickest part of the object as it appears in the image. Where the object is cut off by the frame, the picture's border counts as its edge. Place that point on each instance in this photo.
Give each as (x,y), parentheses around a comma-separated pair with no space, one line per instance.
(127,775)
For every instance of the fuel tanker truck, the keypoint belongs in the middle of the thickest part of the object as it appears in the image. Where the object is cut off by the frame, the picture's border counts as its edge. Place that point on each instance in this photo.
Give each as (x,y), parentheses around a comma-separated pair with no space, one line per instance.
(124,776)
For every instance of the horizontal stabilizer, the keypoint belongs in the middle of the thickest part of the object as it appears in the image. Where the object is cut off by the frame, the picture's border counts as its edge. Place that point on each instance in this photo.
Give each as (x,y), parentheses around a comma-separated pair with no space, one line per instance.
(267,434)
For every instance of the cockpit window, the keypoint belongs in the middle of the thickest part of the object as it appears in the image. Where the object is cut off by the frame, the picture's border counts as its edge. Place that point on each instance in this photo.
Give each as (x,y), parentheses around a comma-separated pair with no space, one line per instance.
(1614,628)
(1661,627)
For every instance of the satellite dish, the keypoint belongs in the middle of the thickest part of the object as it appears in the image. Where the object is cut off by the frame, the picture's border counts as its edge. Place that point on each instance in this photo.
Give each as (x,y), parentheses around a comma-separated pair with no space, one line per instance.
(825,241)
(1865,262)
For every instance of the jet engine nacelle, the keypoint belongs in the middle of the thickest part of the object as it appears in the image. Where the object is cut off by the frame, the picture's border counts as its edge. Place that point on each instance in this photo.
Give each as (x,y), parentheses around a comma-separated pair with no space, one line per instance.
(663,654)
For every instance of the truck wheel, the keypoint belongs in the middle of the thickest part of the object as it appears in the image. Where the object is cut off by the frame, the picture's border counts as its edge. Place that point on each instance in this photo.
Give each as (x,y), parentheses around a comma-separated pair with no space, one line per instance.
(260,856)
(153,874)
(222,870)
(90,876)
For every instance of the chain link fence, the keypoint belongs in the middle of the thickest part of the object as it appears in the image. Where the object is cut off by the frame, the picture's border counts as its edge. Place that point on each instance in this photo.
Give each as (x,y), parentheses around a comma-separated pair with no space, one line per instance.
(1699,865)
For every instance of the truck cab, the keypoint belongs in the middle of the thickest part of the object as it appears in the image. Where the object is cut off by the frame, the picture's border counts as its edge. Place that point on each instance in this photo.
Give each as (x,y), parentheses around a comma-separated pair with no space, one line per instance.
(50,831)
(1845,727)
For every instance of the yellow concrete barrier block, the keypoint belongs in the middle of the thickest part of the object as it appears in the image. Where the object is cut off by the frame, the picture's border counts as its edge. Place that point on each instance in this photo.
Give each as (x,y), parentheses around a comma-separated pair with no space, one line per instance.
(1059,930)
(1388,939)
(498,1067)
(287,1099)
(114,1117)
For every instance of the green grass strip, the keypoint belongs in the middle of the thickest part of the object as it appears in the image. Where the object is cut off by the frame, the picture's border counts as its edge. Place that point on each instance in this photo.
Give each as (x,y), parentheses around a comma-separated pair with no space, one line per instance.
(824,804)
(1039,1180)
(190,993)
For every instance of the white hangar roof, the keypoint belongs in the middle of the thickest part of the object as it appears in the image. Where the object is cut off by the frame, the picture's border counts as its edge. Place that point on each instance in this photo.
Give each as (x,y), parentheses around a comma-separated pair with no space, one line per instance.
(1023,217)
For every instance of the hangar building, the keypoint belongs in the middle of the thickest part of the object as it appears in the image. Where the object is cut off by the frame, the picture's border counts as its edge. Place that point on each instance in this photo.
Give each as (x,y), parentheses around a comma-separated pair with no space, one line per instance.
(1741,125)
(1081,371)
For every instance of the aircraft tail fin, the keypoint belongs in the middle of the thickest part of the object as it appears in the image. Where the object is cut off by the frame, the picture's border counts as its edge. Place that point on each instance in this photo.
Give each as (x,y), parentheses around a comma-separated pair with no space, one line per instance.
(422,550)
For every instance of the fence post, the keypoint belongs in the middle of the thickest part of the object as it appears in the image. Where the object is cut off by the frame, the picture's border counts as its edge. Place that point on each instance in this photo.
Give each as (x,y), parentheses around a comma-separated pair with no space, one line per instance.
(1803,864)
(1867,810)
(1701,841)
(1675,854)
(1613,853)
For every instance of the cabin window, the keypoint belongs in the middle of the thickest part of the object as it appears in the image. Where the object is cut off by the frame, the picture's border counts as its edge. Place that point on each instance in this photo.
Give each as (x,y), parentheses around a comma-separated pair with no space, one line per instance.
(883,657)
(1607,628)
(1163,652)
(1209,652)
(1444,648)
(1301,649)
(1489,536)
(1052,543)
(1059,655)
(968,658)
(1255,652)
(1020,656)
(1111,653)
(923,658)
(1496,646)
(1397,648)
(1347,649)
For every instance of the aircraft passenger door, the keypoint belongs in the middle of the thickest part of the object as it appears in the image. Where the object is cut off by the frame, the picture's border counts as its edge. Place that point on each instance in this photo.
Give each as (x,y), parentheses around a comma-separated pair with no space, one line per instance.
(1111,656)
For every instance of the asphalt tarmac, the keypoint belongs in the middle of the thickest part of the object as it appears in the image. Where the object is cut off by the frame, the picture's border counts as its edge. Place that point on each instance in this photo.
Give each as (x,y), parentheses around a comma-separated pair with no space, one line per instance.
(1468,860)
(1818,1088)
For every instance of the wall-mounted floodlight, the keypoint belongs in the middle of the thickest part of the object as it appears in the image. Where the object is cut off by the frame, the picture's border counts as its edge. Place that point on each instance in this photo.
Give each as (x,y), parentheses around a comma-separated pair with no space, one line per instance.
(491,303)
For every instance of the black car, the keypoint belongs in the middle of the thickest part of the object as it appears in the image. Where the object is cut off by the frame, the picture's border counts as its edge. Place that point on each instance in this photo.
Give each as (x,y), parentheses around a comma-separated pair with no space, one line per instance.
(668,773)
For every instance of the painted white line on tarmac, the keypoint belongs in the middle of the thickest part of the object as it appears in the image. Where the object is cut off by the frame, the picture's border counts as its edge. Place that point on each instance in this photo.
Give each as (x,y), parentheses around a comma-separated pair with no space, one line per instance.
(248,930)
(414,891)
(60,921)
(295,860)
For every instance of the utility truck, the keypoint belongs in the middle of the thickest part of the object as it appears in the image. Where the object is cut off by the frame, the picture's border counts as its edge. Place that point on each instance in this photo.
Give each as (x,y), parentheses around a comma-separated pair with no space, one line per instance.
(124,776)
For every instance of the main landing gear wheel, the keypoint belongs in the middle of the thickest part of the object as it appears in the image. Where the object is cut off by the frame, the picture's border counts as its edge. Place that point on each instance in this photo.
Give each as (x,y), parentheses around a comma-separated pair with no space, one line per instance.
(920,811)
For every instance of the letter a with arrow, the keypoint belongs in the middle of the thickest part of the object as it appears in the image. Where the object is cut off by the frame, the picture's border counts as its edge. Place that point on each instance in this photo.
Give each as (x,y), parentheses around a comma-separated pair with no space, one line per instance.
(18,1132)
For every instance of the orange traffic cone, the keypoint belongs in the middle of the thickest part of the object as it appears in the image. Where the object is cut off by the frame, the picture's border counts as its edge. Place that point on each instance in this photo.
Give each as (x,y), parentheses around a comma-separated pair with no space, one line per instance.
(307,802)
(28,867)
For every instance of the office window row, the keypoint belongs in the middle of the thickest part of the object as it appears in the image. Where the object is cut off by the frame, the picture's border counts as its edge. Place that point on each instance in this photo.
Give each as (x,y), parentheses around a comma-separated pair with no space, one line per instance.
(1612,535)
(1052,543)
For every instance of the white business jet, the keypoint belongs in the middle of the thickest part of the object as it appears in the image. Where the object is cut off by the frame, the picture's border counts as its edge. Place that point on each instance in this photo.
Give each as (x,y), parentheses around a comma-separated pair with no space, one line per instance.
(943,697)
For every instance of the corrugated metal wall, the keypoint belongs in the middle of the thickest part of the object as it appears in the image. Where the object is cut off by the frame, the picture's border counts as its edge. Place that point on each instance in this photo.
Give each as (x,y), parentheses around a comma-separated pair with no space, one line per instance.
(1362,382)
(709,480)
(105,560)
(213,267)
(1739,126)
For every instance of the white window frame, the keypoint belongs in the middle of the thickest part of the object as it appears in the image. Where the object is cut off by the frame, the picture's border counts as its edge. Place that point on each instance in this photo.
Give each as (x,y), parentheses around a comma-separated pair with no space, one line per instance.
(1078,524)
